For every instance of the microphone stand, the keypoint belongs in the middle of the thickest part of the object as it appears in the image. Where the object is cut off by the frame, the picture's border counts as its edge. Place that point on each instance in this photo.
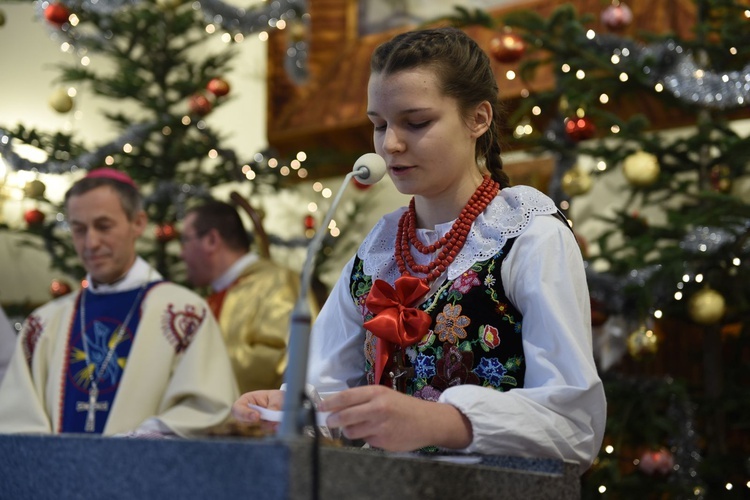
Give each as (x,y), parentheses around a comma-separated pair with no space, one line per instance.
(293,419)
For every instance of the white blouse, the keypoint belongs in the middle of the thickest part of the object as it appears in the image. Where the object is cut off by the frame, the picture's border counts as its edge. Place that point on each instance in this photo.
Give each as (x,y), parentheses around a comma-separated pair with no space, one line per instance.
(561,410)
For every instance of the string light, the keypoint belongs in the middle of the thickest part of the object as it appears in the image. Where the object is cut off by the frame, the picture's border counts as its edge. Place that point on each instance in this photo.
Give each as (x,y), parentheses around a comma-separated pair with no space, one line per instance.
(326,193)
(210,29)
(678,296)
(659,87)
(302,156)
(565,68)
(510,75)
(580,74)
(312,207)
(285,170)
(536,111)
(604,98)
(658,314)
(317,187)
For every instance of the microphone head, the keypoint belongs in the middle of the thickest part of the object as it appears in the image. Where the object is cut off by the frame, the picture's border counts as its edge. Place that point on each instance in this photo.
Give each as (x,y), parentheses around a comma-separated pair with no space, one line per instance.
(369,168)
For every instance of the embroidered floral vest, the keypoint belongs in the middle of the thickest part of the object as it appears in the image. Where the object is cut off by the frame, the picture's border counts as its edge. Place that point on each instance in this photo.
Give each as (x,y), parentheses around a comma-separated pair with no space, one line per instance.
(474,338)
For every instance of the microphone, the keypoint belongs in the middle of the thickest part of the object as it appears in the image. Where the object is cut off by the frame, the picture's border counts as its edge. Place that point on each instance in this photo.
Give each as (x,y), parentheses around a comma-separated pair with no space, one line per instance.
(368,169)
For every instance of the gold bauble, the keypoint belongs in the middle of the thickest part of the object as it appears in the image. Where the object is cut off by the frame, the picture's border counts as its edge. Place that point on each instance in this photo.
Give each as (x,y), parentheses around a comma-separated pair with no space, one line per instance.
(707,306)
(60,101)
(34,189)
(576,182)
(642,341)
(641,169)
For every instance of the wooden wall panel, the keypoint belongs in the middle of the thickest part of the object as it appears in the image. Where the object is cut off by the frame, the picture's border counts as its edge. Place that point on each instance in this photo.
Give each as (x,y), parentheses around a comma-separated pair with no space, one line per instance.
(328,112)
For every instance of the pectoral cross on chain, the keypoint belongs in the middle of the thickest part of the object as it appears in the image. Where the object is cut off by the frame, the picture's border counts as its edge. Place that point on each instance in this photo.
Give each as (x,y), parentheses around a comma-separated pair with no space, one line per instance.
(92,407)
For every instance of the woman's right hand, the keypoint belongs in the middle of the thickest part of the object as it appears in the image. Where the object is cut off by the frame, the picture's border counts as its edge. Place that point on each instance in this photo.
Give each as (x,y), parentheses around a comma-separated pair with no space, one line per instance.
(271,399)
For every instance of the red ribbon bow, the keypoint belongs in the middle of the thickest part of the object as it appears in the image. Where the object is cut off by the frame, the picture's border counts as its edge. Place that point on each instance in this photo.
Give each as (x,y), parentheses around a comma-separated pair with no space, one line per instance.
(395,322)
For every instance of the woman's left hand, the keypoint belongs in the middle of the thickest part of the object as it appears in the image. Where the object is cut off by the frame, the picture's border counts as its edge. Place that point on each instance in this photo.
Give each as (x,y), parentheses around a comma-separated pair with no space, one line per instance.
(393,421)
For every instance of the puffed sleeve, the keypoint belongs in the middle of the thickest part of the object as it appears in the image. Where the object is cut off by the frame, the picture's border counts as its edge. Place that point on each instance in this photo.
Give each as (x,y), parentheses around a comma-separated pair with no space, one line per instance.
(561,410)
(337,358)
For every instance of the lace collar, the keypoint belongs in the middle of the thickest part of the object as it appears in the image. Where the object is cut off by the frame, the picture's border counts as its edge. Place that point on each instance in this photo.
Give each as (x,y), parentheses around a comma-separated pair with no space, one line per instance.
(507,216)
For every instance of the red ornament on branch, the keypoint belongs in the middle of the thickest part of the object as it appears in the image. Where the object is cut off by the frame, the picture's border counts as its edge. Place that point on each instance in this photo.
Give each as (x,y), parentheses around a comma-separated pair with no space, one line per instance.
(58,288)
(360,185)
(57,14)
(200,105)
(656,462)
(218,87)
(617,16)
(309,222)
(165,233)
(34,217)
(507,48)
(579,129)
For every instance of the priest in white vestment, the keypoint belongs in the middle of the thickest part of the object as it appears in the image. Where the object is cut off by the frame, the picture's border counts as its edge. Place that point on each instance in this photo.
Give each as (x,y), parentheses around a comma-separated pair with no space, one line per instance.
(129,354)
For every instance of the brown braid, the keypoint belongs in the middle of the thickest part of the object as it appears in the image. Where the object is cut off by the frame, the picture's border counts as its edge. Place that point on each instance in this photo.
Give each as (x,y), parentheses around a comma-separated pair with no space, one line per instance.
(464,71)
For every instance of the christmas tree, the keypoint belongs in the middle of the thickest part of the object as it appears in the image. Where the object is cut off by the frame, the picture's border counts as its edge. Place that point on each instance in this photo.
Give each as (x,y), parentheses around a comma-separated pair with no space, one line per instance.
(162,82)
(669,266)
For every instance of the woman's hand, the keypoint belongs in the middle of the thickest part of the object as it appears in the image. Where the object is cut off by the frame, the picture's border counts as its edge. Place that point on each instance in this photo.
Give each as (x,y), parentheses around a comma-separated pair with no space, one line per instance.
(272,400)
(393,421)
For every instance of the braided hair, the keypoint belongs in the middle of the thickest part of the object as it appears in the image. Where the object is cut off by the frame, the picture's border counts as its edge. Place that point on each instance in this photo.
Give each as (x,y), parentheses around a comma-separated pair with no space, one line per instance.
(464,72)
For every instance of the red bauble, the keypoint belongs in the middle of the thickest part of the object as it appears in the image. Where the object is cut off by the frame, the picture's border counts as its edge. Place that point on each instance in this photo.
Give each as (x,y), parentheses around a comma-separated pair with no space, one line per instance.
(360,185)
(598,313)
(200,105)
(57,14)
(579,129)
(165,233)
(59,288)
(617,17)
(34,217)
(309,222)
(507,48)
(656,462)
(218,87)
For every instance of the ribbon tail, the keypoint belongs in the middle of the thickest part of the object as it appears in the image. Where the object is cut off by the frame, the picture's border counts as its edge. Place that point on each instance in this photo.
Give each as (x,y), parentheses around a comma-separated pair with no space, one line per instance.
(383,350)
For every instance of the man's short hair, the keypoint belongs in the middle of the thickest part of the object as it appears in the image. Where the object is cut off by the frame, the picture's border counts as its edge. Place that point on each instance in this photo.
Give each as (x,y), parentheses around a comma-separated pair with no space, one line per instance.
(224,218)
(130,198)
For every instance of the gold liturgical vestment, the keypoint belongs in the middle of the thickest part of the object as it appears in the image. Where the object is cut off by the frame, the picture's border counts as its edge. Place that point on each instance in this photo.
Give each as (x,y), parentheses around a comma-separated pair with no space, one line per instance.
(254,320)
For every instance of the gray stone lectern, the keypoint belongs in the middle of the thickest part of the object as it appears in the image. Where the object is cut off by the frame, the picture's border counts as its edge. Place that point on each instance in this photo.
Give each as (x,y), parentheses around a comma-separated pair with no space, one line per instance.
(87,467)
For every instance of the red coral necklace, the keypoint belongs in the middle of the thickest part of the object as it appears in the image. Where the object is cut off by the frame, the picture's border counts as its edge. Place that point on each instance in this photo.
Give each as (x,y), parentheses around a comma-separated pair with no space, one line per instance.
(450,244)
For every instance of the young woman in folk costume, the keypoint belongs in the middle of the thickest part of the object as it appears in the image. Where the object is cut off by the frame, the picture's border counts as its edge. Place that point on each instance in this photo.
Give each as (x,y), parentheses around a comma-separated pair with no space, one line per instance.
(463,321)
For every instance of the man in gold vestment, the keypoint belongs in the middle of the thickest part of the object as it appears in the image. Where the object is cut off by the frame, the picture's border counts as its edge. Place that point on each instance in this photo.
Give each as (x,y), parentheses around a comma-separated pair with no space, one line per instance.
(252,296)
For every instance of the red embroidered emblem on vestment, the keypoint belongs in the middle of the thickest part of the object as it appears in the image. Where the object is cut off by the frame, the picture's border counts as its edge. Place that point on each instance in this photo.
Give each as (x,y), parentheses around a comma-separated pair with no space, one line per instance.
(32,330)
(181,326)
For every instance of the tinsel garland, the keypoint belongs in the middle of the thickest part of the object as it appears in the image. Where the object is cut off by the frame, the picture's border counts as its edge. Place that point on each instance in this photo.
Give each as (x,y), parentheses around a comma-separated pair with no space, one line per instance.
(134,135)
(675,68)
(230,18)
